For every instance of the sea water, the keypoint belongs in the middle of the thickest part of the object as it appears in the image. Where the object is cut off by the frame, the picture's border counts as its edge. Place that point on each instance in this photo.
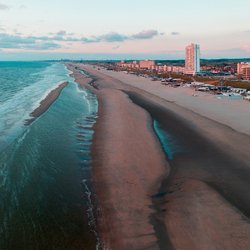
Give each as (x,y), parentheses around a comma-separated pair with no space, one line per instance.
(44,167)
(169,143)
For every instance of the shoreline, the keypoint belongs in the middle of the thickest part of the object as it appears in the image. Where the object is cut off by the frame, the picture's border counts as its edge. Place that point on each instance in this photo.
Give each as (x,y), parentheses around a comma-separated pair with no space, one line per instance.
(46,103)
(109,150)
(208,181)
(82,80)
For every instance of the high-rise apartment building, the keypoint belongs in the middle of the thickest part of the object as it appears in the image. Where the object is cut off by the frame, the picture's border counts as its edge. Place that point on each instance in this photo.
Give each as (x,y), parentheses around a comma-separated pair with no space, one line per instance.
(192,62)
(243,69)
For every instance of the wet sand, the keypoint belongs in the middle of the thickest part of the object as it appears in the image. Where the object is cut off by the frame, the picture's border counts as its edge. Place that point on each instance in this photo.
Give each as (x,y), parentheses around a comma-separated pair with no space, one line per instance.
(201,203)
(123,182)
(82,79)
(206,200)
(46,103)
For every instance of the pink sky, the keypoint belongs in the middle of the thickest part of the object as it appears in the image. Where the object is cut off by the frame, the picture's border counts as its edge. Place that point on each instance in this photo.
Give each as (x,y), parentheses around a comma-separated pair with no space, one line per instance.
(114,27)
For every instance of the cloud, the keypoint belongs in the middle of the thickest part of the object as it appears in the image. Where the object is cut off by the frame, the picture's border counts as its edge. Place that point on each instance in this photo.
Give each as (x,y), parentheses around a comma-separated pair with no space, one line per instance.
(146,34)
(108,37)
(117,37)
(4,6)
(16,32)
(22,7)
(43,46)
(61,33)
(53,40)
(116,47)
(174,33)
(30,42)
(7,7)
(112,37)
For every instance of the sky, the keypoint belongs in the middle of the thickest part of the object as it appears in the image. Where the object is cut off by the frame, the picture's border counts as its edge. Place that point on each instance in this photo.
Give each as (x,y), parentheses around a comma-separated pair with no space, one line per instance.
(115,29)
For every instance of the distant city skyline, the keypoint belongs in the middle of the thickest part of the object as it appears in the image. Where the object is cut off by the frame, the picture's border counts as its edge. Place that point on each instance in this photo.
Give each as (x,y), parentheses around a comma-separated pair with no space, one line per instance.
(115,29)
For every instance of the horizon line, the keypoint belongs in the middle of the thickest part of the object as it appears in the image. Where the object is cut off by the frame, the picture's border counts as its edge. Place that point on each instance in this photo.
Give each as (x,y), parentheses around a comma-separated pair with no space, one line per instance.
(132,59)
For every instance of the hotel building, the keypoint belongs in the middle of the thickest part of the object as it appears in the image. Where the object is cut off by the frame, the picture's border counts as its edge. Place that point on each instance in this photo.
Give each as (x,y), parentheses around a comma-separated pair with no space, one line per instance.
(243,69)
(192,62)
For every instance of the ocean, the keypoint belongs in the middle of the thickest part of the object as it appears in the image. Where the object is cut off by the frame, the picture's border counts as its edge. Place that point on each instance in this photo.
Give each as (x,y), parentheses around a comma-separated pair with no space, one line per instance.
(45,167)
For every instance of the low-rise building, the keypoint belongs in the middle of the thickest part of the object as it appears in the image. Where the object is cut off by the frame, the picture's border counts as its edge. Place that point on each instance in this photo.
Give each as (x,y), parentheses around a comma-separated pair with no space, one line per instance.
(146,64)
(129,65)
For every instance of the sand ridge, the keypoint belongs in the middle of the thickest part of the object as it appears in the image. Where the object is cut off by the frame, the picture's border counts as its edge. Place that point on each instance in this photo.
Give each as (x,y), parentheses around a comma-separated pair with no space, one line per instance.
(46,103)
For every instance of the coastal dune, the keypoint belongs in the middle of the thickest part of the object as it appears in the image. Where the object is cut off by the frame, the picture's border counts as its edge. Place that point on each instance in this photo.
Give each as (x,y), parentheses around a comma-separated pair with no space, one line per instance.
(197,200)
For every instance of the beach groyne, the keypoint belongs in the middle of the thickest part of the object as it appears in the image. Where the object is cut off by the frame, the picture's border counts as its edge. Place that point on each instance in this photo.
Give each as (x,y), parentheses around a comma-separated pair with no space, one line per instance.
(46,103)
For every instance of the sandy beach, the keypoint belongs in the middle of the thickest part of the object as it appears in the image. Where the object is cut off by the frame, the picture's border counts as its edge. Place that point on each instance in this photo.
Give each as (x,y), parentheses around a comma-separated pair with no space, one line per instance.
(123,182)
(233,113)
(46,103)
(197,200)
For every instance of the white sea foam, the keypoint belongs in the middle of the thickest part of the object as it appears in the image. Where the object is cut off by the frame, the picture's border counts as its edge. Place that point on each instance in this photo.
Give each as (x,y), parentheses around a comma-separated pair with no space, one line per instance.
(15,110)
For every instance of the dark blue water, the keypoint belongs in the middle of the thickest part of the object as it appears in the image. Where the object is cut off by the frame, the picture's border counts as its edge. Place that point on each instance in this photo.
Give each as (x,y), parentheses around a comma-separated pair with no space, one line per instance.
(44,167)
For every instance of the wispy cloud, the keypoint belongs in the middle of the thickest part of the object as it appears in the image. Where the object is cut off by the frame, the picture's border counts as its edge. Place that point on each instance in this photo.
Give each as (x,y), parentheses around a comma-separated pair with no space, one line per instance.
(8,7)
(4,6)
(116,47)
(174,33)
(53,40)
(61,33)
(19,42)
(43,46)
(146,34)
(117,37)
(22,7)
(109,37)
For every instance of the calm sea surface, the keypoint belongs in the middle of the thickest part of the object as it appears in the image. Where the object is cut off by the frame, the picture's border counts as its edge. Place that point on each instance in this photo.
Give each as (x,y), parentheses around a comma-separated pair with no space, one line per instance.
(44,167)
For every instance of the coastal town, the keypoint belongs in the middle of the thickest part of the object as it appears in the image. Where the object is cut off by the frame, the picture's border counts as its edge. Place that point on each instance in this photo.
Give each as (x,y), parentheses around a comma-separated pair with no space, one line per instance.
(125,125)
(228,79)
